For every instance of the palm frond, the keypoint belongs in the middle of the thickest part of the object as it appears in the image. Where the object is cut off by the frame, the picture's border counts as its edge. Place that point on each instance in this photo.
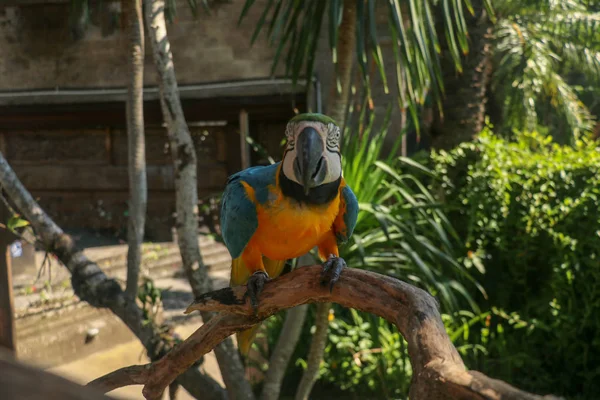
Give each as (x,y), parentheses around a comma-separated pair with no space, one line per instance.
(582,59)
(295,25)
(533,48)
(564,98)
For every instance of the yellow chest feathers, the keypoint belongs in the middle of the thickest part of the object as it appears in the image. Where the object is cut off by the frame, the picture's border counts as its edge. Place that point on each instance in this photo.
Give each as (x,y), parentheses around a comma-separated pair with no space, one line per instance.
(288,229)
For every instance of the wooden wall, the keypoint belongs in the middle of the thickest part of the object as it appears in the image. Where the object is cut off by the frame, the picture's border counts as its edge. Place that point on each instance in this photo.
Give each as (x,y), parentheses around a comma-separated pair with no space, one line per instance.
(80,176)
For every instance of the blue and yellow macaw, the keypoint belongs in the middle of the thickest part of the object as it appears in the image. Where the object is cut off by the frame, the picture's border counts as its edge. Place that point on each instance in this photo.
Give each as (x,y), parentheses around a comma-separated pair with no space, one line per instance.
(270,214)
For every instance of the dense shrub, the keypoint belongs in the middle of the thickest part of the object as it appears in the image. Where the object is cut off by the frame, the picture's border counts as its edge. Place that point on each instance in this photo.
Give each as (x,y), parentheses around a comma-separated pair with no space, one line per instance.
(529,213)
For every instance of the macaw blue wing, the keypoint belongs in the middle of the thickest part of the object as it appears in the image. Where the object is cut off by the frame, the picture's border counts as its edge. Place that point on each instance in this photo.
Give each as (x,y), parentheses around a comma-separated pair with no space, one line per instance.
(350,215)
(239,220)
(238,216)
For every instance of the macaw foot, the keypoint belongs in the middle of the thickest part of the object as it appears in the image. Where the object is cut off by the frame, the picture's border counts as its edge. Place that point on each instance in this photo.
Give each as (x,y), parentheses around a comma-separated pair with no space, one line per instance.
(255,286)
(333,266)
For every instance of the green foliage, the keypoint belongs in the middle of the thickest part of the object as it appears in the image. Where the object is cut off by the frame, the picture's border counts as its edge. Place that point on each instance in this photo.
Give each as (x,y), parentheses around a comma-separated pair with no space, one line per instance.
(15,222)
(401,230)
(528,211)
(151,298)
(367,355)
(295,26)
(538,44)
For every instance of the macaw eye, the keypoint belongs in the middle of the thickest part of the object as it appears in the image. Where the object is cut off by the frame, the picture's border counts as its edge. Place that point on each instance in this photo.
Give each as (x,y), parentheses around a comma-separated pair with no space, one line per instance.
(333,138)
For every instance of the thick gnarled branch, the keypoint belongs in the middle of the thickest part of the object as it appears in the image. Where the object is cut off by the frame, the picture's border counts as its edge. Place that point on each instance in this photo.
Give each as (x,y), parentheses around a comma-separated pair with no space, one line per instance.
(438,370)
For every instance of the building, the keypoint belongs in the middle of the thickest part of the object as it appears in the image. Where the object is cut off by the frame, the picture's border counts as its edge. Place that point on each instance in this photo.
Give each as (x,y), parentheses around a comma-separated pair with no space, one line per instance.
(62,113)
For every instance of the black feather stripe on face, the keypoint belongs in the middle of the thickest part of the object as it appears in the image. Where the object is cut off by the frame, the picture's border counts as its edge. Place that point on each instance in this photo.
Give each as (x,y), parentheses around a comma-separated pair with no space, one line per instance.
(322,194)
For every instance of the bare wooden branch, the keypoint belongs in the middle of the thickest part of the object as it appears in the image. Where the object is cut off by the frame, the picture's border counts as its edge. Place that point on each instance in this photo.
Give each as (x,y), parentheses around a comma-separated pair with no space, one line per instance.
(439,372)
(21,381)
(132,375)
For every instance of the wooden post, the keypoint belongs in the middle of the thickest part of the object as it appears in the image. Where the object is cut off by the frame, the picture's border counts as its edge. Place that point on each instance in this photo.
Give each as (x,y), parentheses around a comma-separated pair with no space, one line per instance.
(108,146)
(244,132)
(7,316)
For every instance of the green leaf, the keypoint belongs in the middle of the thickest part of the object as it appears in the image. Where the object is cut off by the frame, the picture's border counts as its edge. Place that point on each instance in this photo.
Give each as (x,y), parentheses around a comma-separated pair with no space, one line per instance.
(260,23)
(377,55)
(245,10)
(416,47)
(335,11)
(16,222)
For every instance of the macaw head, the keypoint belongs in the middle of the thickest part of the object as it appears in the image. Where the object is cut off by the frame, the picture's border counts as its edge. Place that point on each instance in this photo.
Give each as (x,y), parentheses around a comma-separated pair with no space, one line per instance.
(312,156)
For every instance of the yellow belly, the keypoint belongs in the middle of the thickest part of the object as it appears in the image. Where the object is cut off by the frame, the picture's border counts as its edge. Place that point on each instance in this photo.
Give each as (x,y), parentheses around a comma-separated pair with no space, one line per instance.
(287,229)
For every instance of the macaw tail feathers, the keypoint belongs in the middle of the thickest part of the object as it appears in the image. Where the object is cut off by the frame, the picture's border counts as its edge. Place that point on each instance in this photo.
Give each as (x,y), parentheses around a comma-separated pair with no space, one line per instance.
(239,272)
(239,276)
(245,339)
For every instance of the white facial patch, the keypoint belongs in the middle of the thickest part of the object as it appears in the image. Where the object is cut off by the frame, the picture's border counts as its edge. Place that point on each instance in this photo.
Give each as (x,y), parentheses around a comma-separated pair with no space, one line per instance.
(333,137)
(334,167)
(288,165)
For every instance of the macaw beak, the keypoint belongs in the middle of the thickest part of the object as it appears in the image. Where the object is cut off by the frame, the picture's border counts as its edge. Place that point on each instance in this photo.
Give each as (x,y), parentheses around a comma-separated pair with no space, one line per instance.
(310,165)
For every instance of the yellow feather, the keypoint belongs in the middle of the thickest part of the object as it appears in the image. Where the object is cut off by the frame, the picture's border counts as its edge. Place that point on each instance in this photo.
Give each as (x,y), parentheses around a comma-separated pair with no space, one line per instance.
(273,267)
(245,339)
(239,272)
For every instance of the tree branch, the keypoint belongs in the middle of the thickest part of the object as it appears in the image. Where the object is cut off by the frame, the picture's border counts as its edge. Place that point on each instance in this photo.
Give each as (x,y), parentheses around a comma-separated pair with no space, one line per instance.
(22,381)
(438,370)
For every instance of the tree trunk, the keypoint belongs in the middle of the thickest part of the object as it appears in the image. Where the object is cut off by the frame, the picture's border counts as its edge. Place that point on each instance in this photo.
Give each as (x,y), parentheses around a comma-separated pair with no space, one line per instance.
(315,353)
(137,148)
(336,109)
(286,344)
(464,105)
(91,285)
(288,339)
(186,187)
(338,100)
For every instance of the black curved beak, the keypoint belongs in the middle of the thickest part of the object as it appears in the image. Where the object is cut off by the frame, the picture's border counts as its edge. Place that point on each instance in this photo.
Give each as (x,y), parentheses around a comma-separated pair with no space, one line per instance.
(309,167)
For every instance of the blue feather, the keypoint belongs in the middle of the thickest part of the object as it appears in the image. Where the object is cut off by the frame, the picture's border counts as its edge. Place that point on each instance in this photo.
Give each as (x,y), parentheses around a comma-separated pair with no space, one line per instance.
(239,220)
(351,214)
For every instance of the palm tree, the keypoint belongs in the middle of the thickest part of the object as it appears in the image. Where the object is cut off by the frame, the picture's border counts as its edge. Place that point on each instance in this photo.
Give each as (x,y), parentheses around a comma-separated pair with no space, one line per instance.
(537,44)
(156,12)
(529,57)
(296,25)
(463,111)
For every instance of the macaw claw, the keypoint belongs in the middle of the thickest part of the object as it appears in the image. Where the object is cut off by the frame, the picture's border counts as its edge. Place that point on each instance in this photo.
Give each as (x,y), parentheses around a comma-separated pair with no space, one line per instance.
(333,266)
(255,285)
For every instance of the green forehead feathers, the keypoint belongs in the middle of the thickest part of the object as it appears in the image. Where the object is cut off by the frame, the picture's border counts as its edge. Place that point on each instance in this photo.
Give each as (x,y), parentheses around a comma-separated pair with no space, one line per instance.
(314,117)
